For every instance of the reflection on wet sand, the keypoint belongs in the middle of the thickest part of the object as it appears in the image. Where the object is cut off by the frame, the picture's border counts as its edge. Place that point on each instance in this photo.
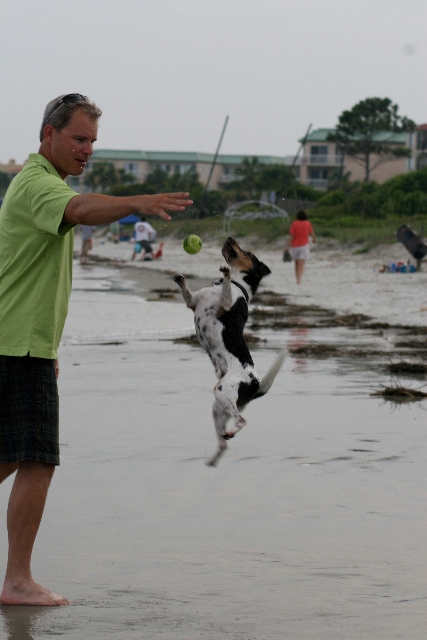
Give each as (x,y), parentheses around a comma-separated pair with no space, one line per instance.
(298,339)
(19,623)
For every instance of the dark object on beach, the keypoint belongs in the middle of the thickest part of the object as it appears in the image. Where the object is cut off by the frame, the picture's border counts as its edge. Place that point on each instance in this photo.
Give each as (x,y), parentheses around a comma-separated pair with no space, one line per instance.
(407,367)
(412,242)
(399,393)
(287,256)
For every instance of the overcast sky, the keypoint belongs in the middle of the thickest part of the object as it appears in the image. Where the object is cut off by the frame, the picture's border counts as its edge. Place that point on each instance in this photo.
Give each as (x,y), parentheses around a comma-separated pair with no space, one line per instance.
(166,73)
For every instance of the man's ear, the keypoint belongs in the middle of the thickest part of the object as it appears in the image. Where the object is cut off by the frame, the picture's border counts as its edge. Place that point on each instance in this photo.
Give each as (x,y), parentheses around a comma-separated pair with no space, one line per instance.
(48,132)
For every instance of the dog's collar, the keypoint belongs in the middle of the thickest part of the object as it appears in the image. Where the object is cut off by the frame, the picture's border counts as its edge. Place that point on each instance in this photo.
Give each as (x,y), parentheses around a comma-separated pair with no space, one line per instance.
(242,289)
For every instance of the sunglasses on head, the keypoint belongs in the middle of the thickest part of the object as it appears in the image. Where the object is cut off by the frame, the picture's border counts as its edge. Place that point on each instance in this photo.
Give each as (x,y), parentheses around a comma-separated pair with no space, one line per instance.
(68,99)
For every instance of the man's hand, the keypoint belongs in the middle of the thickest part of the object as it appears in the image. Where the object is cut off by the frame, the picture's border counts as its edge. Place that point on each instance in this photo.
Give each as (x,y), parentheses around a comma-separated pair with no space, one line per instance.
(57,368)
(160,203)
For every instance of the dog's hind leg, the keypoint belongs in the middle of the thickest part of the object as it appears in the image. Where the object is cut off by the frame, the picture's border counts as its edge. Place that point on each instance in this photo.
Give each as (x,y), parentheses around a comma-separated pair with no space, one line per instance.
(187,294)
(229,407)
(220,420)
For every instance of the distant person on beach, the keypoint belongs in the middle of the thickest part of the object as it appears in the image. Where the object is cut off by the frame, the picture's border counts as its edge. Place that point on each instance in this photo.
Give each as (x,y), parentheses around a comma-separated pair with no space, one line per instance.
(144,235)
(298,245)
(37,221)
(115,232)
(87,233)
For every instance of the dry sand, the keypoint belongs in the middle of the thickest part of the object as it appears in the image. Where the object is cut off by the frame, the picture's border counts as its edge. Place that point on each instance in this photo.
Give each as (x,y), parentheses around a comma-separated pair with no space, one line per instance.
(311,528)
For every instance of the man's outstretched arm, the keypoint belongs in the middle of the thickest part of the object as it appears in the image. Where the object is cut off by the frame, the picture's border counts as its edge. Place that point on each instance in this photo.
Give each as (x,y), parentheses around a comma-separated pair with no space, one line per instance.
(94,208)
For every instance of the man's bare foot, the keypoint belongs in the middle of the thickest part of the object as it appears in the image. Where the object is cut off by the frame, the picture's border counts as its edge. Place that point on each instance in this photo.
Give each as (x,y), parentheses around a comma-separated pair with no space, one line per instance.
(30,593)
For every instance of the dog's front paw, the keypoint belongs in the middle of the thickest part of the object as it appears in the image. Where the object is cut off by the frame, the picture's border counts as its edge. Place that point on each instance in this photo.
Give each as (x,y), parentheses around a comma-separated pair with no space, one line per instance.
(225,270)
(179,279)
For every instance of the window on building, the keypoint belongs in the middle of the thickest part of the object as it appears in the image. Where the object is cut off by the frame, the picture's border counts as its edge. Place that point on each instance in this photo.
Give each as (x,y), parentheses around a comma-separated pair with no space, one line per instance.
(421,140)
(131,167)
(318,174)
(319,150)
(319,154)
(177,168)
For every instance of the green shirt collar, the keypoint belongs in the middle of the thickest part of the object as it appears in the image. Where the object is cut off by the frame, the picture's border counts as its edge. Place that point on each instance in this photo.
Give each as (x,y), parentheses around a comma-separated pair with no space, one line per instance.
(37,157)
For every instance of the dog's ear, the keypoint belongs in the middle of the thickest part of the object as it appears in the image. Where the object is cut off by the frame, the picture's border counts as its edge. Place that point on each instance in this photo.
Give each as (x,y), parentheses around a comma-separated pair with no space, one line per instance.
(263,269)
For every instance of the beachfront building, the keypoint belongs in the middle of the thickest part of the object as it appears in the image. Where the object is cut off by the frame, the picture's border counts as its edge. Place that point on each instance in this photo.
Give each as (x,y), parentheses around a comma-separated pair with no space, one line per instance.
(11,168)
(142,163)
(321,160)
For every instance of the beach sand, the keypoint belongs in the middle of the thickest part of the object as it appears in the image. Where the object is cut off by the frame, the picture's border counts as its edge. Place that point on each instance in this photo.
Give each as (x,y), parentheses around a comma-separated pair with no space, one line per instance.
(313,525)
(334,278)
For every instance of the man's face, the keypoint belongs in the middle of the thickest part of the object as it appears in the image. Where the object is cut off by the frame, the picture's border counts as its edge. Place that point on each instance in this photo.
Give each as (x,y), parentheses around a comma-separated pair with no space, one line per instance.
(70,148)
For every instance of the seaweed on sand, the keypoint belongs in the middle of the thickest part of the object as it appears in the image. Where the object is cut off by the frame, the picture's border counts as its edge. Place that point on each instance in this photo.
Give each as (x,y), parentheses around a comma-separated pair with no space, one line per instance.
(269,299)
(399,393)
(350,320)
(421,345)
(407,367)
(165,294)
(319,350)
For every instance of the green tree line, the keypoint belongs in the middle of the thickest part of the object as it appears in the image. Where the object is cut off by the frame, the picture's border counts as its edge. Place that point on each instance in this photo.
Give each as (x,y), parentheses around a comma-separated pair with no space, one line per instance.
(403,195)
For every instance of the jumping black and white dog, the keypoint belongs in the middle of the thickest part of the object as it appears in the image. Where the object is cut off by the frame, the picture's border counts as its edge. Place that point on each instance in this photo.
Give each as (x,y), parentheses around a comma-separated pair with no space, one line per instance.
(220,315)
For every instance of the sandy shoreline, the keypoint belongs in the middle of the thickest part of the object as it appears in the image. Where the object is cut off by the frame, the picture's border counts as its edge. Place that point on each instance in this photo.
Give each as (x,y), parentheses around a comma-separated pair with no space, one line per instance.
(333,279)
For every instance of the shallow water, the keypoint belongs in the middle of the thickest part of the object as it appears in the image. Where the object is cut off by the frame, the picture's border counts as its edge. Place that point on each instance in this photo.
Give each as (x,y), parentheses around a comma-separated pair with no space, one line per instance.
(311,527)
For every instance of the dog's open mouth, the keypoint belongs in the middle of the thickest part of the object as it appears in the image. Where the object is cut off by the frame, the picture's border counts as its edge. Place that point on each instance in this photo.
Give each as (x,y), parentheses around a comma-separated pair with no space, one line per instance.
(228,250)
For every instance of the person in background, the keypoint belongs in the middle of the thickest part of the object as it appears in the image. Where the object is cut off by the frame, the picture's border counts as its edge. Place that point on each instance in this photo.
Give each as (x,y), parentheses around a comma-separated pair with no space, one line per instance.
(299,243)
(144,235)
(115,232)
(87,232)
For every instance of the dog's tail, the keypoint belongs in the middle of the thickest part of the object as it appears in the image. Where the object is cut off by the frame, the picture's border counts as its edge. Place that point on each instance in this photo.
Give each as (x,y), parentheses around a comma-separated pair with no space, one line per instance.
(269,377)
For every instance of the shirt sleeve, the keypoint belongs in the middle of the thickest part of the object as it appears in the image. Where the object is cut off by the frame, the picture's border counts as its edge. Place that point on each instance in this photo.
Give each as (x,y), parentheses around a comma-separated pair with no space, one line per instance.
(49,198)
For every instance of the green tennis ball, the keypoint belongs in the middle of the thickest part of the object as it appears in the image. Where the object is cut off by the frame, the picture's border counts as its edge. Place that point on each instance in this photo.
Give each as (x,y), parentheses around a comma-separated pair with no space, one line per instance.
(192,244)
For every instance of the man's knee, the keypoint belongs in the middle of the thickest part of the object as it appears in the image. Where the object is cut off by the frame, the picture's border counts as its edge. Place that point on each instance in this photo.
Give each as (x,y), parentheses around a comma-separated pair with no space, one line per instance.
(37,470)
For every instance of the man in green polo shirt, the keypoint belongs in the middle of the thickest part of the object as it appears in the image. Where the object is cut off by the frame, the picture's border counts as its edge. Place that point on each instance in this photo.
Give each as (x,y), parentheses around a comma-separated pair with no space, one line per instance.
(37,222)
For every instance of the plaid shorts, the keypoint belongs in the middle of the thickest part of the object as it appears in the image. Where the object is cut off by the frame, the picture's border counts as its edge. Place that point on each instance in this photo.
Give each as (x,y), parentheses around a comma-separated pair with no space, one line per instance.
(29,425)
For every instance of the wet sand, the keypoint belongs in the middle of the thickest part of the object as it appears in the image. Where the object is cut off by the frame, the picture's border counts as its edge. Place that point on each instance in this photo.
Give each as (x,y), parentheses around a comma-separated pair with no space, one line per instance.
(312,526)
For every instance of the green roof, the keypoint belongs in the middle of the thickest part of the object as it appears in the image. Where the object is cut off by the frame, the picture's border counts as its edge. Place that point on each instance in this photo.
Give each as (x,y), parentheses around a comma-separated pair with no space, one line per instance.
(321,135)
(179,156)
